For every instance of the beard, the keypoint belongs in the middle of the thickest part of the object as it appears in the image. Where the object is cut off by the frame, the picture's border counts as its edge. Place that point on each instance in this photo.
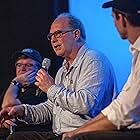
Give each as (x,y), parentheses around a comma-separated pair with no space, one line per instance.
(123,35)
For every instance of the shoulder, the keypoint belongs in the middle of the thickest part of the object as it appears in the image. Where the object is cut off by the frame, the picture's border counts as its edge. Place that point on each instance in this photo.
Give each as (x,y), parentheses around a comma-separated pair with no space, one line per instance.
(95,55)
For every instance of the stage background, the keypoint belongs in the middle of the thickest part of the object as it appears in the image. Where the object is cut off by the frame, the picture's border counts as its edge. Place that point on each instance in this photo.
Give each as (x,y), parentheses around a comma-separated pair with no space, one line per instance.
(25,23)
(102,35)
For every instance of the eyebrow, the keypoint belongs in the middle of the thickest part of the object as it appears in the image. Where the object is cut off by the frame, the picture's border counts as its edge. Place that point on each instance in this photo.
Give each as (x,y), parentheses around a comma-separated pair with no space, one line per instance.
(56,31)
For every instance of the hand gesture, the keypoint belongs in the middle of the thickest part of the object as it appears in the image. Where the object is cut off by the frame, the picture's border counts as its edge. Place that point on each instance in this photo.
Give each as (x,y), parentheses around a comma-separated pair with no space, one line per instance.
(68,134)
(44,80)
(9,123)
(27,78)
(11,113)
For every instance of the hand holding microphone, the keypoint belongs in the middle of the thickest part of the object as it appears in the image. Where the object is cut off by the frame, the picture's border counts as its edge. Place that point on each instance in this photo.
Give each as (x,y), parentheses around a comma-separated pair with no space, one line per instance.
(43,80)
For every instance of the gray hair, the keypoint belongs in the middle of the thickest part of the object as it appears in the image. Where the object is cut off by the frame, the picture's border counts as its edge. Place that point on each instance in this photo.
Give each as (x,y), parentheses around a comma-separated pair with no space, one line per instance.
(74,23)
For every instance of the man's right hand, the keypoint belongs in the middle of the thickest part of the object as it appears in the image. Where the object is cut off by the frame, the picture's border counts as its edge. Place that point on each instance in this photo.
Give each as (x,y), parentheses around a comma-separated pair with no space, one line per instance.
(11,113)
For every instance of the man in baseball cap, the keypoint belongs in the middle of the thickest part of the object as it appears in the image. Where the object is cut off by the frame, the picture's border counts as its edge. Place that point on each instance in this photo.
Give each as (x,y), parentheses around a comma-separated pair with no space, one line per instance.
(29,52)
(128,6)
(22,90)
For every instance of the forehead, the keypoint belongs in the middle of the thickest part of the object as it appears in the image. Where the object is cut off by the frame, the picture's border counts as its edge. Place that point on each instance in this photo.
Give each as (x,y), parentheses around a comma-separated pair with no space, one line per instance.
(25,60)
(60,23)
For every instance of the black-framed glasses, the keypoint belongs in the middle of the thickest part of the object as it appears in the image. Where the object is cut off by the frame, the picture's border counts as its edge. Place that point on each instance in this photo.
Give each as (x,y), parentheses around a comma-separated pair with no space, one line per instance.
(58,34)
(28,65)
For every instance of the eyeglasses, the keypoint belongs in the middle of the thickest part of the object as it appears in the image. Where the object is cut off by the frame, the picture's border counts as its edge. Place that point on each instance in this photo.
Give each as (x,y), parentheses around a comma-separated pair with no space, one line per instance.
(57,34)
(28,65)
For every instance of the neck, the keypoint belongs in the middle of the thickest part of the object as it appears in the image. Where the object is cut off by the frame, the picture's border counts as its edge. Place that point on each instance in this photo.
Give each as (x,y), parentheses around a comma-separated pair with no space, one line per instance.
(74,53)
(133,34)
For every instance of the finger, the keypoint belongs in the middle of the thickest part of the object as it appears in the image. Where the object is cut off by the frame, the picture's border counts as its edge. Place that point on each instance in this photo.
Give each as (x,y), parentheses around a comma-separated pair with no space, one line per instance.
(63,136)
(41,73)
(13,112)
(11,123)
(32,74)
(30,71)
(5,125)
(37,84)
(13,120)
(38,79)
(2,122)
(4,114)
(32,80)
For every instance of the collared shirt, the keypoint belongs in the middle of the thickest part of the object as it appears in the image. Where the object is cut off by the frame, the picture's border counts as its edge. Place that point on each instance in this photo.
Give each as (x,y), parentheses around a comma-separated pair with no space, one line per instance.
(78,94)
(124,111)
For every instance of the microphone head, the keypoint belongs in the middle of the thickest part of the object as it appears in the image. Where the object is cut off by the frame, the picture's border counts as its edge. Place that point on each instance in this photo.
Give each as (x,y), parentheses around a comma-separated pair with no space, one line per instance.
(46,63)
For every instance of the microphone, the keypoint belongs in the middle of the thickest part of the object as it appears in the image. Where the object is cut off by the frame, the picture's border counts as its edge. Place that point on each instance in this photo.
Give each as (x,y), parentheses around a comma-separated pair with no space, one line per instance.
(46,63)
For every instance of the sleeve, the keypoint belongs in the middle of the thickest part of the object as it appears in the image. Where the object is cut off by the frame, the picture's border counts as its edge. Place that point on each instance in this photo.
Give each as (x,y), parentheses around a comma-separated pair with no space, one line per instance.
(90,88)
(125,110)
(38,113)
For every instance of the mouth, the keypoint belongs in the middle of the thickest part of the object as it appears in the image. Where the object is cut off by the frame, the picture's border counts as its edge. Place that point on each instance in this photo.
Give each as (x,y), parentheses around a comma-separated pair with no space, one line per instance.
(57,46)
(19,73)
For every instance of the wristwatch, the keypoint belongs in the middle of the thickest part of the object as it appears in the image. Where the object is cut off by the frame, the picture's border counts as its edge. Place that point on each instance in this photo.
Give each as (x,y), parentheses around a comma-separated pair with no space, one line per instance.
(16,83)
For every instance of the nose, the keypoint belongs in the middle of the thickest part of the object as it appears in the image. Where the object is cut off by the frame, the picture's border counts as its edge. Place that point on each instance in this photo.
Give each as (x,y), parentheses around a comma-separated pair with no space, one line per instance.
(53,39)
(23,68)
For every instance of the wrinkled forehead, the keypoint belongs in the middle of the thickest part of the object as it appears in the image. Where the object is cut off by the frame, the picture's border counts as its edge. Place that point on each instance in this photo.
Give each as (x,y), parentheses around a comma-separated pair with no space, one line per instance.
(60,23)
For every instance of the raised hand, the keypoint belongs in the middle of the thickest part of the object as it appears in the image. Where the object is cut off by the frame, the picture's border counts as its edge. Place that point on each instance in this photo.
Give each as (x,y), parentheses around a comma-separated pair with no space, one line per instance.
(26,78)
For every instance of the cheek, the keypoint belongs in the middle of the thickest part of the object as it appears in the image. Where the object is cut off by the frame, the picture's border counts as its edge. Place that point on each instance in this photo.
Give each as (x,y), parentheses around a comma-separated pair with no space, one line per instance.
(67,43)
(17,72)
(117,26)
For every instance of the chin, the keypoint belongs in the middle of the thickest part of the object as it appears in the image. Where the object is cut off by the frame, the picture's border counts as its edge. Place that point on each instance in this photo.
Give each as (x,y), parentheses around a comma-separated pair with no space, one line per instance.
(58,53)
(123,37)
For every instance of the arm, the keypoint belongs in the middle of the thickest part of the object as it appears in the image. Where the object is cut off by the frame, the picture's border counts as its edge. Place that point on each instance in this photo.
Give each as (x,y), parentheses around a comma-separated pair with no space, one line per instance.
(40,113)
(11,95)
(98,123)
(122,112)
(89,87)
(28,113)
(31,114)
(8,113)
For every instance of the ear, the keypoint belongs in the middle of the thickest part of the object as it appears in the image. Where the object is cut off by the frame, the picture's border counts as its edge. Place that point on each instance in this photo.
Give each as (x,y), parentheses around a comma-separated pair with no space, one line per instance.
(123,20)
(77,34)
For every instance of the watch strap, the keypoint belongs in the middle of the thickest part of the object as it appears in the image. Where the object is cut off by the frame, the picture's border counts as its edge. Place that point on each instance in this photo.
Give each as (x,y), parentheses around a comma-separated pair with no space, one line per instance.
(16,83)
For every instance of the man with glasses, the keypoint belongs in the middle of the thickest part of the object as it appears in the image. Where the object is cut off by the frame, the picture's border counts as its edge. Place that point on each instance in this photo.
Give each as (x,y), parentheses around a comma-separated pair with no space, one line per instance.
(83,86)
(121,119)
(22,88)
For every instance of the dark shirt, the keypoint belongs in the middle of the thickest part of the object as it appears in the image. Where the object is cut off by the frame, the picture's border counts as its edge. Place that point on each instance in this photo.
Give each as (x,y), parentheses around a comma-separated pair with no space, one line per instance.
(30,96)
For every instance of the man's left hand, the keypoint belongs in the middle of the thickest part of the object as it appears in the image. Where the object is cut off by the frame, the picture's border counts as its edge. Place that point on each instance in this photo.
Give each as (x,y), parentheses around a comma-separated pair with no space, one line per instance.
(68,134)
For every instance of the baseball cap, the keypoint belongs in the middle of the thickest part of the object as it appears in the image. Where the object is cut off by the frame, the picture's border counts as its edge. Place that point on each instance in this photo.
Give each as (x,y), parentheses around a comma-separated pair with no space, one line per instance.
(128,6)
(29,52)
